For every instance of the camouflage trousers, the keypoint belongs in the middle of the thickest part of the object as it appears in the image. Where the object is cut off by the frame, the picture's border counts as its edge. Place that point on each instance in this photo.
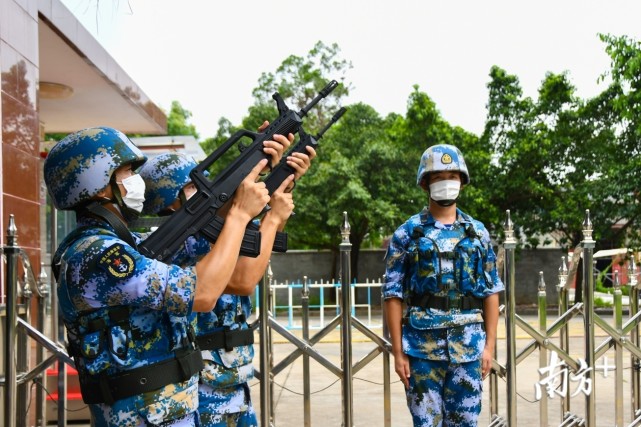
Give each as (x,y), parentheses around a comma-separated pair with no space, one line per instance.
(190,420)
(226,407)
(442,393)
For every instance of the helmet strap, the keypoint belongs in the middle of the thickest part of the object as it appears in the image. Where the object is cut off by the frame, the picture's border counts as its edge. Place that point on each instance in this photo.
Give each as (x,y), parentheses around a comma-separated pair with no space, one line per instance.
(127,213)
(96,209)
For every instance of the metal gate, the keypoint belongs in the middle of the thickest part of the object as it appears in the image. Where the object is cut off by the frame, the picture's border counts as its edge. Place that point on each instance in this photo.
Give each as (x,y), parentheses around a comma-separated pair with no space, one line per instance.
(557,364)
(557,367)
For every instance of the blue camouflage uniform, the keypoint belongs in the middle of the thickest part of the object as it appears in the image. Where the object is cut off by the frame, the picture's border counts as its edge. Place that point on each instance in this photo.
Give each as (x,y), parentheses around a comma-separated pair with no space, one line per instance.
(224,398)
(454,262)
(223,392)
(124,311)
(126,315)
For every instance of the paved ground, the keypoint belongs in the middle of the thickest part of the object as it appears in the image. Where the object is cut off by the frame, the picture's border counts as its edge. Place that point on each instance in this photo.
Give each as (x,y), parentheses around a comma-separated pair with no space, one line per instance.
(368,400)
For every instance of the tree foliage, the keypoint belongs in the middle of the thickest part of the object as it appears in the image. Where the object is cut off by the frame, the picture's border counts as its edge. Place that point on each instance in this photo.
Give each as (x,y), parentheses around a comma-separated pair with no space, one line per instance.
(298,80)
(178,121)
(556,157)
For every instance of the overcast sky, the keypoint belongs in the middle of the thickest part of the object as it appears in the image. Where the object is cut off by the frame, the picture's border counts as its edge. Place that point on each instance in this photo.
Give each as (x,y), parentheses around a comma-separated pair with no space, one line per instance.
(209,54)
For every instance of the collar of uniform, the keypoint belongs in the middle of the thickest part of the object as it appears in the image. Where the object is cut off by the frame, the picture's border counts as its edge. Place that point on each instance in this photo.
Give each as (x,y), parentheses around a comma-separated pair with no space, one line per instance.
(89,221)
(94,222)
(428,219)
(462,217)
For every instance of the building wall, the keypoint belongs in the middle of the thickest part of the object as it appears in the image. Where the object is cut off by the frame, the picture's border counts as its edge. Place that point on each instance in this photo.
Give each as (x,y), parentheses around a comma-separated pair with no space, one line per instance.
(20,132)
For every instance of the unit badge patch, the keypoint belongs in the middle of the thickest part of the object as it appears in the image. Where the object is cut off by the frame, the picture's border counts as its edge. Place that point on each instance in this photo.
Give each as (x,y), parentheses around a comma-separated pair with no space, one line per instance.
(116,261)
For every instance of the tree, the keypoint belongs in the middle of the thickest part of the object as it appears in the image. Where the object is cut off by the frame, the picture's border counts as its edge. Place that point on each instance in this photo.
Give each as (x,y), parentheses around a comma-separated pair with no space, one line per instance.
(619,110)
(298,80)
(178,121)
(523,164)
(555,157)
(367,168)
(352,174)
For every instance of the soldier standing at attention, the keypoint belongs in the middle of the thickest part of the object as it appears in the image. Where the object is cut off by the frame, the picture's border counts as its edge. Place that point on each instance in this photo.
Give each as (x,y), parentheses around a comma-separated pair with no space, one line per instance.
(127,315)
(440,263)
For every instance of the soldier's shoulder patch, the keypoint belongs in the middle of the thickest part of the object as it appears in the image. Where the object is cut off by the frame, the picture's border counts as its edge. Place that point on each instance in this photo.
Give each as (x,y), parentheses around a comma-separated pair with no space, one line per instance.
(116,261)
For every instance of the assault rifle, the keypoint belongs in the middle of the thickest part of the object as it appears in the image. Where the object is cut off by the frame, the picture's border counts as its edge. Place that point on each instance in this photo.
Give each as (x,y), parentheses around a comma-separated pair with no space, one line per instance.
(198,214)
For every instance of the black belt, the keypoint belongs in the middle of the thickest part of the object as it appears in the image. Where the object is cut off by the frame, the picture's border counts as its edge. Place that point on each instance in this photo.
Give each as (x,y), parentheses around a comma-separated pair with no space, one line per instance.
(446,303)
(108,389)
(226,338)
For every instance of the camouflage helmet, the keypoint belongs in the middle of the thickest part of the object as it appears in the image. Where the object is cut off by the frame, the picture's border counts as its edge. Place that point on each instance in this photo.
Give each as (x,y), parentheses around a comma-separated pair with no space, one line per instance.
(165,175)
(80,166)
(442,157)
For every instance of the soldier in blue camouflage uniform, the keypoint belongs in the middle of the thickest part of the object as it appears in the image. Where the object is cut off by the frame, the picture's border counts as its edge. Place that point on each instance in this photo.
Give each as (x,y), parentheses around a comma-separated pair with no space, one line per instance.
(224,333)
(127,315)
(441,265)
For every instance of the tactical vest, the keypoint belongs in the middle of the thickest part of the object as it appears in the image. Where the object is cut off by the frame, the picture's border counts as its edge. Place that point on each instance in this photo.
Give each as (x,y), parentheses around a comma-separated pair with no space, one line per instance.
(221,336)
(430,287)
(114,358)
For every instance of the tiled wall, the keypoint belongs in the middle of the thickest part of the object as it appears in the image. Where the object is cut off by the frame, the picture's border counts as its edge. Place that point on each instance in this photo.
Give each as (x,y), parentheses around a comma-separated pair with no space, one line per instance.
(20,181)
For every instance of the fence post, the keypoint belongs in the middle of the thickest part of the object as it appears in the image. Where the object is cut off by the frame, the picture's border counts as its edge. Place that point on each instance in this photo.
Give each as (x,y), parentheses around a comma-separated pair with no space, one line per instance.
(23,350)
(306,377)
(11,252)
(43,303)
(265,351)
(346,322)
(510,329)
(618,324)
(387,403)
(543,354)
(564,332)
(58,331)
(588,313)
(634,336)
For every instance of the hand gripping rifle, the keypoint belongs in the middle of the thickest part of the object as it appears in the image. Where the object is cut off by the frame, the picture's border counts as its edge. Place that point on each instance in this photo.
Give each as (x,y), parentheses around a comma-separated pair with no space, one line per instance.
(198,214)
(283,170)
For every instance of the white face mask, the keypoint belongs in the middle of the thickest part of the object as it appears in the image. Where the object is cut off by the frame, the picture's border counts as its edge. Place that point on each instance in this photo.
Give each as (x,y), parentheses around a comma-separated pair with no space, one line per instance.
(135,196)
(445,191)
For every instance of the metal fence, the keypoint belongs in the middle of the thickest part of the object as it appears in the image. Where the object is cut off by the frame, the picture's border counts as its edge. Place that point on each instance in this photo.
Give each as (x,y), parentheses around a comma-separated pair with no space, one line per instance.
(20,369)
(558,364)
(323,302)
